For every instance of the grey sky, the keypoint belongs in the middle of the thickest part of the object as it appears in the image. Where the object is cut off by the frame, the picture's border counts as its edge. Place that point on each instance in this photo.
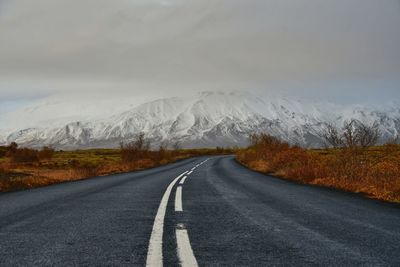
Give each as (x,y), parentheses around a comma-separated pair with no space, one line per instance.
(329,48)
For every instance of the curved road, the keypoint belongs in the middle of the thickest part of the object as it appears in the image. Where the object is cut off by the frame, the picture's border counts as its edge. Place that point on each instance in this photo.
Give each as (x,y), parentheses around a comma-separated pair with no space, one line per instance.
(195,212)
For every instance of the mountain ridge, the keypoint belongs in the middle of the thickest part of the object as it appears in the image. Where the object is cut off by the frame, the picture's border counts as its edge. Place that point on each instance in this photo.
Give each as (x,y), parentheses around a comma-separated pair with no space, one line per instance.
(207,120)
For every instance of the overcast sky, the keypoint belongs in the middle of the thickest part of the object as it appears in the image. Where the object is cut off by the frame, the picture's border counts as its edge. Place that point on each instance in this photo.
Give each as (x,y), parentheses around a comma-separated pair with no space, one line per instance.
(346,50)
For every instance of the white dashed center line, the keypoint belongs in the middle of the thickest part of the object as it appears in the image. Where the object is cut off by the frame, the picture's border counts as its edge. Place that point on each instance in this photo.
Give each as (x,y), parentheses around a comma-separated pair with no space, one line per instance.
(183,180)
(185,252)
(184,249)
(178,199)
(154,252)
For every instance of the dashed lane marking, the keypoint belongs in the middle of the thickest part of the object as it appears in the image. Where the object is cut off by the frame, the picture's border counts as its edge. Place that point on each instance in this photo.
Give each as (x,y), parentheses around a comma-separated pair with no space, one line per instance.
(183,180)
(185,251)
(178,199)
(154,252)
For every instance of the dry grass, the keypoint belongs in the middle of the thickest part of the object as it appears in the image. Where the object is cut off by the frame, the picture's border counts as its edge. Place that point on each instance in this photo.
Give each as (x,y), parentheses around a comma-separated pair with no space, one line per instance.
(63,166)
(373,171)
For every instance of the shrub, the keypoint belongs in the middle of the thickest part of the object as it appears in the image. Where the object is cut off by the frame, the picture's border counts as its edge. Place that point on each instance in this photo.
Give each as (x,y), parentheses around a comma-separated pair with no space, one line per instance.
(356,168)
(353,134)
(46,153)
(3,151)
(24,155)
(12,148)
(135,150)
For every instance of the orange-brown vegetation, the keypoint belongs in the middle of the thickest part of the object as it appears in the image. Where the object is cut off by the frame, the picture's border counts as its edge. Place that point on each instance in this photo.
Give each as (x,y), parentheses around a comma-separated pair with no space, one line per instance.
(22,168)
(351,166)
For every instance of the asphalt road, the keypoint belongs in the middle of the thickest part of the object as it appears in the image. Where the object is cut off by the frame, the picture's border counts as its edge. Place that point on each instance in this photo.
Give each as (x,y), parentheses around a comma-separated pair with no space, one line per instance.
(221,214)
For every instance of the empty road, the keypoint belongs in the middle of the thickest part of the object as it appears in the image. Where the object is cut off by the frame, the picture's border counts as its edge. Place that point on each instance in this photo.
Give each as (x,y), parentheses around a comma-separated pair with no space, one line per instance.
(197,212)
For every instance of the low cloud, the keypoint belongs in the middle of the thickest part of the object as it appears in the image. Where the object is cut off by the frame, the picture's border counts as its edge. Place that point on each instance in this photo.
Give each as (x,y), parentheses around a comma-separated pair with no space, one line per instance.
(306,47)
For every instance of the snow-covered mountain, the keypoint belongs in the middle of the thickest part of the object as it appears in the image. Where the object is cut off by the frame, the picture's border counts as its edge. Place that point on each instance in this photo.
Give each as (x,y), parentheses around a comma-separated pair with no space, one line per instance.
(206,120)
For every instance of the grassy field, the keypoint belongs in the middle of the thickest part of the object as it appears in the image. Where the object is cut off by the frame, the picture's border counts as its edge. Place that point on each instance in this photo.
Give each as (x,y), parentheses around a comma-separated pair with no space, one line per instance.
(61,166)
(373,171)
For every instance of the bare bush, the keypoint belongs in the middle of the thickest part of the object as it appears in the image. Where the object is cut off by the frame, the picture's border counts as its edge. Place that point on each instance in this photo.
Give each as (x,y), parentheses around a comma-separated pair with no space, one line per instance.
(28,155)
(135,150)
(11,149)
(265,140)
(331,136)
(349,134)
(24,155)
(354,134)
(367,135)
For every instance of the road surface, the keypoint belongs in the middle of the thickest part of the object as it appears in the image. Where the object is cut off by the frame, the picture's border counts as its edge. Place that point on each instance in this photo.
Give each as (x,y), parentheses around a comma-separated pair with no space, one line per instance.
(196,212)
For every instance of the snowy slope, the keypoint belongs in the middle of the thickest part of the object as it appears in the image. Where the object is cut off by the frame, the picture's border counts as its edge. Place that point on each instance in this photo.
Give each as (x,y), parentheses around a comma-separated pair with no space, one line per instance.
(206,120)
